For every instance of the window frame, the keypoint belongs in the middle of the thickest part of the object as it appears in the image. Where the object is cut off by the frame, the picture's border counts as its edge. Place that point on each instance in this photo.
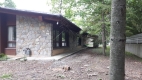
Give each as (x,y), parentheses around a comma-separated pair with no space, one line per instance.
(60,35)
(11,41)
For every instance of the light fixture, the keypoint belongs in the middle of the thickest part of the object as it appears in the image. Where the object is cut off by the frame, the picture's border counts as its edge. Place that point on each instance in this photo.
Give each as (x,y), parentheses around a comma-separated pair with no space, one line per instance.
(57,23)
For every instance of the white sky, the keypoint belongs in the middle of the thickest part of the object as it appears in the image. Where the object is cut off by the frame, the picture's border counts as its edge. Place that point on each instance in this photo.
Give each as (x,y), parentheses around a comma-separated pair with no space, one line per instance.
(35,5)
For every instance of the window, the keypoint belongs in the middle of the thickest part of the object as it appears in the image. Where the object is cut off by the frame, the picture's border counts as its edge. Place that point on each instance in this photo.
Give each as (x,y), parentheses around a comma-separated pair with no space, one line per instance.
(79,41)
(57,38)
(60,38)
(64,43)
(11,36)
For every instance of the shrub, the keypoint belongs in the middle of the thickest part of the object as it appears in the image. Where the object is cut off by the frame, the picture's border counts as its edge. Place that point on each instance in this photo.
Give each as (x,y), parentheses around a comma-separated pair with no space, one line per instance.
(3,57)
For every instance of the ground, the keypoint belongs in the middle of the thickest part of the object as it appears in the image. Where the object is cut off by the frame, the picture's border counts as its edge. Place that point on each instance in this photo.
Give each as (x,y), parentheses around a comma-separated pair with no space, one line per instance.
(85,65)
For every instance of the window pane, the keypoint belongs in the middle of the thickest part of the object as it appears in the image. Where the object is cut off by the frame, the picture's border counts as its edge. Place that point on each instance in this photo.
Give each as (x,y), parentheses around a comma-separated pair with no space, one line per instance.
(57,44)
(11,44)
(63,36)
(57,35)
(11,36)
(11,33)
(64,41)
(64,44)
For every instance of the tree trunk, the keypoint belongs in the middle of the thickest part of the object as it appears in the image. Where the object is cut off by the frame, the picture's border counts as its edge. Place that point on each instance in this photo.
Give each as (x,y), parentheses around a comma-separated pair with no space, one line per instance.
(103,35)
(117,40)
(60,6)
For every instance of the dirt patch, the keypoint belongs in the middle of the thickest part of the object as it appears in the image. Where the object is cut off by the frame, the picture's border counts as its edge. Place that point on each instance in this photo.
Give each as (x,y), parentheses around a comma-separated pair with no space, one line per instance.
(85,65)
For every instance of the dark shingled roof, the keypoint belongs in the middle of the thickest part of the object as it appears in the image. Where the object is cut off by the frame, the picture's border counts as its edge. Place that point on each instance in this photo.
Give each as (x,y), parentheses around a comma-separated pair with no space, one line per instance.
(48,16)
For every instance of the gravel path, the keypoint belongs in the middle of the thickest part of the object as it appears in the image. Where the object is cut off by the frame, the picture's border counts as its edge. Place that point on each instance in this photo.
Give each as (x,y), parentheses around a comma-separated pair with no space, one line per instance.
(85,65)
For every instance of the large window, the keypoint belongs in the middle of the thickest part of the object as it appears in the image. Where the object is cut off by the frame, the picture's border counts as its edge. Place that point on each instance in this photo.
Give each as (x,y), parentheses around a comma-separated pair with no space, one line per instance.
(60,38)
(79,41)
(11,36)
(64,41)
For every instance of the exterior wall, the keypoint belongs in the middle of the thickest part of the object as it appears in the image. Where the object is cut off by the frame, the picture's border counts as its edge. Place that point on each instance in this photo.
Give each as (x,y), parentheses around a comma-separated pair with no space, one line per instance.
(34,34)
(72,41)
(135,49)
(59,51)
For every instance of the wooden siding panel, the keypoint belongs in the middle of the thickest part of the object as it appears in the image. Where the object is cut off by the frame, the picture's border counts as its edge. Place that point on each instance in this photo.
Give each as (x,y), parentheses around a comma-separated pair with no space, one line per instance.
(5,21)
(10,51)
(3,33)
(11,20)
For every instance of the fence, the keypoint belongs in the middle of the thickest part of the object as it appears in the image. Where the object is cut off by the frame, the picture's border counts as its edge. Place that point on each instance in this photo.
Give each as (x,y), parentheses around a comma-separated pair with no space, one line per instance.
(136,39)
(134,45)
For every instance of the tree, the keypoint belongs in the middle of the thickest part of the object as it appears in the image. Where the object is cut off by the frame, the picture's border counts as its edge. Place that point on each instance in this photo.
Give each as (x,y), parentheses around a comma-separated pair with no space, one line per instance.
(117,39)
(1,4)
(92,15)
(8,4)
(134,18)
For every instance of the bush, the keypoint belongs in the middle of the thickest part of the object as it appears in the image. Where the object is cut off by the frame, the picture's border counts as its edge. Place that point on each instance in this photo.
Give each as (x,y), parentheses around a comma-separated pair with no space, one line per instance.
(6,76)
(3,57)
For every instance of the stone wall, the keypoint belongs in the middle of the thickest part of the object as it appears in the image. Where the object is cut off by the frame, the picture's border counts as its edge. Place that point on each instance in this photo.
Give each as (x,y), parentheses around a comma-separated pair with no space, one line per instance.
(34,34)
(72,41)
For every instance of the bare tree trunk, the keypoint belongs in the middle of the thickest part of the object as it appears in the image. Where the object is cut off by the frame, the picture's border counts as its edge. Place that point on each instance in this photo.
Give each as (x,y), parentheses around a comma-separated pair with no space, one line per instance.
(117,40)
(103,35)
(103,32)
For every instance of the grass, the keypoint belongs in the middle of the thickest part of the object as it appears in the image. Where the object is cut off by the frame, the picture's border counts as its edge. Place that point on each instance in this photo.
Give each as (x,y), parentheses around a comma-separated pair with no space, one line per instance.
(100,51)
(130,55)
(127,54)
(6,76)
(60,76)
(3,57)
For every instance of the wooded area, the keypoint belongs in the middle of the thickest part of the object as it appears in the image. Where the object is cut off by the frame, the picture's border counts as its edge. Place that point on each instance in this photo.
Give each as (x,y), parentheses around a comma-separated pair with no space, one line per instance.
(111,20)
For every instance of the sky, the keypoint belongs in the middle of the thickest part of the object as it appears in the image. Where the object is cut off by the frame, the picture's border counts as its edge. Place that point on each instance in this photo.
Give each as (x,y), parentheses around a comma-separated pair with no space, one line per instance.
(34,5)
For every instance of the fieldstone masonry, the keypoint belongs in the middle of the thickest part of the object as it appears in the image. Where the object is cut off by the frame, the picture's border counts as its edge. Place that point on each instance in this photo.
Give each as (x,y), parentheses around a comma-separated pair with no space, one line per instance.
(72,41)
(34,34)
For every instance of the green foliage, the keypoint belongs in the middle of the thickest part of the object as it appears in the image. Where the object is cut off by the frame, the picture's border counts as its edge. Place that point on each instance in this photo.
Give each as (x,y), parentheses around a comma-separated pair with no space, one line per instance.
(3,57)
(87,14)
(6,76)
(134,18)
(96,43)
(8,4)
(1,4)
(99,51)
(60,76)
(132,56)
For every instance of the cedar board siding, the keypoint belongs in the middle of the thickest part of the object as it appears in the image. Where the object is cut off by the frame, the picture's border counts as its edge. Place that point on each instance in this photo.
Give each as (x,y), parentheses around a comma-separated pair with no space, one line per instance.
(5,21)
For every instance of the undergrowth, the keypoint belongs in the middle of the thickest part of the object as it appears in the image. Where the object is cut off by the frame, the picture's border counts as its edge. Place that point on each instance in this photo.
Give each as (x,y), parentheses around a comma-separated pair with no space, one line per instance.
(127,54)
(3,57)
(6,76)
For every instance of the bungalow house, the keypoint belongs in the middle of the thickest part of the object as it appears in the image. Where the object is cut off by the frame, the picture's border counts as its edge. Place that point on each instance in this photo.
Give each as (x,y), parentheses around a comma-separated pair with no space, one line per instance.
(44,34)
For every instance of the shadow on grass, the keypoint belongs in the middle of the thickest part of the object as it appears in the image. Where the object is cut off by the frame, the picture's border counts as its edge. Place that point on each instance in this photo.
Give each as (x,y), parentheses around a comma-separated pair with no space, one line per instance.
(127,54)
(100,51)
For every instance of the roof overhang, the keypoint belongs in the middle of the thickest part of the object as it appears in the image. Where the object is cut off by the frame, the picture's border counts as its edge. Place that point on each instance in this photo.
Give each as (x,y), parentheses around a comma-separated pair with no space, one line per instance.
(41,16)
